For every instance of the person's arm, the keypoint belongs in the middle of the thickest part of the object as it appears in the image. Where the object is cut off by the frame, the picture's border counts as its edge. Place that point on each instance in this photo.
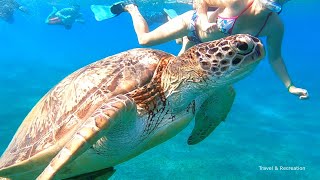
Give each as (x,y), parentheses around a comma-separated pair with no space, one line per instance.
(80,18)
(214,3)
(202,9)
(202,6)
(65,13)
(23,9)
(274,43)
(212,15)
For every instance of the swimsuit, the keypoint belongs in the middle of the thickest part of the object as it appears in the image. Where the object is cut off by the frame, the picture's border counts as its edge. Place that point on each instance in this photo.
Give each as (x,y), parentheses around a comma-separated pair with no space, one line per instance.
(192,28)
(55,20)
(226,25)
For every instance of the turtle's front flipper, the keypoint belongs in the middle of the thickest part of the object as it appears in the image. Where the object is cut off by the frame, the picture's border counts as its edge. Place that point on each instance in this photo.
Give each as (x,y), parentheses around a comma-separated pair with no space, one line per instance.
(214,110)
(102,120)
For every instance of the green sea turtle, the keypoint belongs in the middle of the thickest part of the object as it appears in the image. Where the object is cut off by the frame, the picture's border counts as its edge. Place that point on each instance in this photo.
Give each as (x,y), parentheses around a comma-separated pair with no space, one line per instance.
(115,109)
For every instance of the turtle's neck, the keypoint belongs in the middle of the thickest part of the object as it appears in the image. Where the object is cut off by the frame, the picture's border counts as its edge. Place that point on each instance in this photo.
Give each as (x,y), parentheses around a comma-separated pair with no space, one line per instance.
(182,79)
(180,70)
(177,78)
(152,96)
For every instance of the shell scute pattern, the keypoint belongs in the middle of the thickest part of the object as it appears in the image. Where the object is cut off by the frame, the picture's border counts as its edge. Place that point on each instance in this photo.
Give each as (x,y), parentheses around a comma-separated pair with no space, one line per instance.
(63,109)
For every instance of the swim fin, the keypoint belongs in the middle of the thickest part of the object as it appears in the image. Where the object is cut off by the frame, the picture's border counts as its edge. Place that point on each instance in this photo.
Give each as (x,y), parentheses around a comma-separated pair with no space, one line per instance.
(102,12)
(170,13)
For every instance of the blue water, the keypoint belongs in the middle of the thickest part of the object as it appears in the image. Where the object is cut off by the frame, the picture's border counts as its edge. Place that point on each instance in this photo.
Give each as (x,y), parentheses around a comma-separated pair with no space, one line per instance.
(267,126)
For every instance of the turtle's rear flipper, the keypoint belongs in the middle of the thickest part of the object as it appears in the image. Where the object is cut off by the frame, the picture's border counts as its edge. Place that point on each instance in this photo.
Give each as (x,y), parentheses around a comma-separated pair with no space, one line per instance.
(103,174)
(101,121)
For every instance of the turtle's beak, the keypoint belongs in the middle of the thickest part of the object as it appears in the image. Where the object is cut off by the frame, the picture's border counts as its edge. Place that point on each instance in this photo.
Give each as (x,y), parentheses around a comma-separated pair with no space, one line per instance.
(257,54)
(260,51)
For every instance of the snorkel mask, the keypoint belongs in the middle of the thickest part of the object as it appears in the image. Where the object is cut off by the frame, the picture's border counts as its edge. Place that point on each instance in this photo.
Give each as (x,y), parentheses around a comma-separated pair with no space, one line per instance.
(272,5)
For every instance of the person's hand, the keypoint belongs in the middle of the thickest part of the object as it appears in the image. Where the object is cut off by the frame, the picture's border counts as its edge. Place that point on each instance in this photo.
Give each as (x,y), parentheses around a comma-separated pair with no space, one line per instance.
(302,93)
(24,9)
(80,20)
(209,27)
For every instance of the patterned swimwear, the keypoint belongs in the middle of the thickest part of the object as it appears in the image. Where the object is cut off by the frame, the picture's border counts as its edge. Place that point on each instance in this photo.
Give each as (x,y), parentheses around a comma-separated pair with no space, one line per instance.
(192,28)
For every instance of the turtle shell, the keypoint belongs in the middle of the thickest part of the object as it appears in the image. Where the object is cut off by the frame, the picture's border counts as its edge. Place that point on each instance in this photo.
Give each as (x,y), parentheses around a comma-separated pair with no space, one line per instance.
(57,116)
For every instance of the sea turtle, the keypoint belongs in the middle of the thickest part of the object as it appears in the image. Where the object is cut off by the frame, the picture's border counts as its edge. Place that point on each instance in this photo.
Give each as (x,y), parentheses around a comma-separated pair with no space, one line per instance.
(115,109)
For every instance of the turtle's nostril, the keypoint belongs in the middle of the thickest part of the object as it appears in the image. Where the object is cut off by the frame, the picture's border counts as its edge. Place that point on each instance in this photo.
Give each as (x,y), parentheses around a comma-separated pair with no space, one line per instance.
(255,39)
(243,46)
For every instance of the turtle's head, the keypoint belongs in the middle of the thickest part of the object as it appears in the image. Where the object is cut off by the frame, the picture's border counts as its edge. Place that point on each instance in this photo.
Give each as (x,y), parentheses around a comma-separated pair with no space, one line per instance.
(229,59)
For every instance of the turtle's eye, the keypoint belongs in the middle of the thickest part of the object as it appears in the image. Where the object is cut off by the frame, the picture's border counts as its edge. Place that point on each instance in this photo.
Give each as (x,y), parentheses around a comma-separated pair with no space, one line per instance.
(242,46)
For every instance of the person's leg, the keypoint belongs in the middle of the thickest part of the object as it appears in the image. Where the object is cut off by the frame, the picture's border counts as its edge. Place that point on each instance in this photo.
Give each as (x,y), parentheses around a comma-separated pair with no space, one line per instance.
(171,13)
(80,20)
(7,15)
(186,44)
(51,15)
(9,19)
(171,30)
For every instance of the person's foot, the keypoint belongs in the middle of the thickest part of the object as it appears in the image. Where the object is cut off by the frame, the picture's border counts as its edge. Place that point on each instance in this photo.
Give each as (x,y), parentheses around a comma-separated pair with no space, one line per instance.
(130,7)
(118,8)
(23,9)
(122,6)
(54,9)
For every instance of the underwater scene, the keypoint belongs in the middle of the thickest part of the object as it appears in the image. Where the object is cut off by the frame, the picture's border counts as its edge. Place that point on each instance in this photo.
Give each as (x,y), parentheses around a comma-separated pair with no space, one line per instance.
(268,133)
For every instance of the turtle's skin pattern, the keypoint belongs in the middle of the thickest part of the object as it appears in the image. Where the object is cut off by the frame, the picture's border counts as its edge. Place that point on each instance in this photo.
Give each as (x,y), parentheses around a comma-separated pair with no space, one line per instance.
(115,109)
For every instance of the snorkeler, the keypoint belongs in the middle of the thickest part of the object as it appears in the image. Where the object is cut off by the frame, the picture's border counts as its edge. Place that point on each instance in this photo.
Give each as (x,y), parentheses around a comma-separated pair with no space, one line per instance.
(7,8)
(259,18)
(65,16)
(105,12)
